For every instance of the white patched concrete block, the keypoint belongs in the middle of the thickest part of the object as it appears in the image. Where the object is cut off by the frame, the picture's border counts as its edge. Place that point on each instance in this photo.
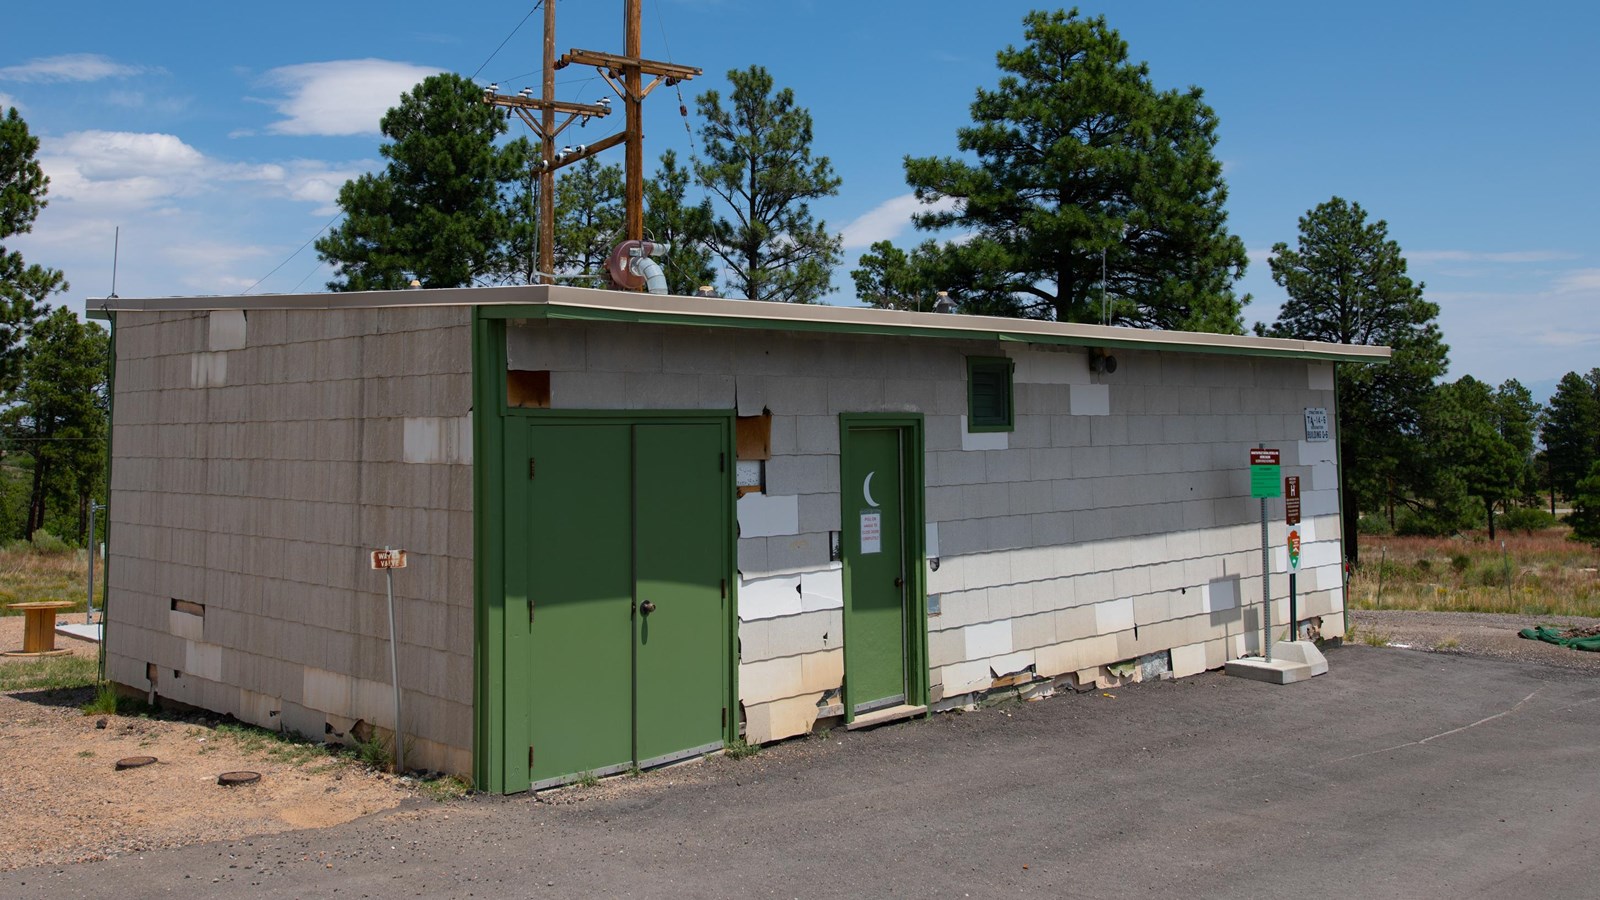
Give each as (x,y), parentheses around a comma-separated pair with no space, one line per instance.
(208,369)
(1090,399)
(984,440)
(1011,663)
(202,660)
(326,691)
(768,598)
(822,590)
(1189,659)
(435,439)
(966,677)
(1111,616)
(1319,376)
(186,626)
(771,679)
(764,516)
(1073,656)
(225,329)
(987,639)
(776,720)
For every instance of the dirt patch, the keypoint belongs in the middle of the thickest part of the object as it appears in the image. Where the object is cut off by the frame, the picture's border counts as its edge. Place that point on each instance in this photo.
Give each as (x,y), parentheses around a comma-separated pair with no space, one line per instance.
(66,802)
(1477,634)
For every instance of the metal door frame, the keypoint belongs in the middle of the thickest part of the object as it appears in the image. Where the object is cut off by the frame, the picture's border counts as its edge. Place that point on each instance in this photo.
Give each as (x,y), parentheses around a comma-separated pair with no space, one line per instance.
(501,674)
(913,538)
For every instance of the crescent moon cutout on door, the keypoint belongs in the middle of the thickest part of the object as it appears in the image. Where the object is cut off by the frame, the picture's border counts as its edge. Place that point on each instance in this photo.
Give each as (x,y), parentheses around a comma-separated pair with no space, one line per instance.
(866,489)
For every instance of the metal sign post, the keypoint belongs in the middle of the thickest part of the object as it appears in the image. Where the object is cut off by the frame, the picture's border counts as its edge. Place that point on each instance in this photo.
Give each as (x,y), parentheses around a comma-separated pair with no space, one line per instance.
(1291,517)
(1265,469)
(388,560)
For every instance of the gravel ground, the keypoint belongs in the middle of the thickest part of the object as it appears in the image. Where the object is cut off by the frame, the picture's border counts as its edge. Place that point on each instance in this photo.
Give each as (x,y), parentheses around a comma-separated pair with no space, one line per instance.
(64,803)
(1475,634)
(63,800)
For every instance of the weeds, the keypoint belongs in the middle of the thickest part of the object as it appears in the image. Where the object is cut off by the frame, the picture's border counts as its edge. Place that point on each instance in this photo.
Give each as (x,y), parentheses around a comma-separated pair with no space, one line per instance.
(1539,574)
(85,754)
(586,780)
(107,702)
(28,575)
(52,673)
(372,753)
(740,748)
(445,788)
(1449,642)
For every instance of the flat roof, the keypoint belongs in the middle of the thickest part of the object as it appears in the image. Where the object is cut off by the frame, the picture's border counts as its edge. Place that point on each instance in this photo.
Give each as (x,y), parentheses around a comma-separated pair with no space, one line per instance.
(545,301)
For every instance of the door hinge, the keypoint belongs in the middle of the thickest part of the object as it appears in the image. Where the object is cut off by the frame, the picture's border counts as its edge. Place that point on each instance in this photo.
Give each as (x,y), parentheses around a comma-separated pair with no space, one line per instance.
(531,462)
(724,588)
(530,757)
(722,462)
(724,719)
(530,610)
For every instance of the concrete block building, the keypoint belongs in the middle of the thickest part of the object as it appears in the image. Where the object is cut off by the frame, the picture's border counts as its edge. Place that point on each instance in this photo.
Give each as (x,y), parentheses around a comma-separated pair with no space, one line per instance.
(639,527)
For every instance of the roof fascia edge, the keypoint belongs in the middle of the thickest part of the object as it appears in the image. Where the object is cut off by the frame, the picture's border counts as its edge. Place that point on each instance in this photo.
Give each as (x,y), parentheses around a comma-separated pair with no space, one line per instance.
(578,312)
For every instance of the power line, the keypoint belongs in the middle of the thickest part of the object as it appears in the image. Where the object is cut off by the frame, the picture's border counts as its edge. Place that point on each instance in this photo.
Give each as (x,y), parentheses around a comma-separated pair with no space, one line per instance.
(508,38)
(275,269)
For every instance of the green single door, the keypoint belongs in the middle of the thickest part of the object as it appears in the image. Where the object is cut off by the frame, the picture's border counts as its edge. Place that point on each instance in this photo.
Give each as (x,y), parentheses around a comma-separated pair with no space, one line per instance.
(580,573)
(680,629)
(875,567)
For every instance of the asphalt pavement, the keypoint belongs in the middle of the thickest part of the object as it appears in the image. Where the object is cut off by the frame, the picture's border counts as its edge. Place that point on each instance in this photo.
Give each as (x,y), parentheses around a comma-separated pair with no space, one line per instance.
(1398,774)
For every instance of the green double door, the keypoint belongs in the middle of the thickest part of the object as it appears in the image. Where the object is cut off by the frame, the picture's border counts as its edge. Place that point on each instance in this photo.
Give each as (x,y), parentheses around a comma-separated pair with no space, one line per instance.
(626,561)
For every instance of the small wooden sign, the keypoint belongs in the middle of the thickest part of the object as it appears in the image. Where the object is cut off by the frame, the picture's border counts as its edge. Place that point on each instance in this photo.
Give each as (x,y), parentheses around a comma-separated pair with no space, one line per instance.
(388,559)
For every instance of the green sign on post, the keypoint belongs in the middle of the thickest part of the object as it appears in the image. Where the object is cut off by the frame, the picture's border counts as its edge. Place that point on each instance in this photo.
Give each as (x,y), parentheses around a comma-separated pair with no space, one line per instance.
(1265,474)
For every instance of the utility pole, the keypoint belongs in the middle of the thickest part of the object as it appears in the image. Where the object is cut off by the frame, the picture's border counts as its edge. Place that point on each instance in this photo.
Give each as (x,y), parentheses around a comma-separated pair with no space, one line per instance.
(625,74)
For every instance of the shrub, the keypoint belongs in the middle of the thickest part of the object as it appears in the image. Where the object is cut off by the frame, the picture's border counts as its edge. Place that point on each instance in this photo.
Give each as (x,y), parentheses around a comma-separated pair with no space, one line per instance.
(1526,520)
(1374,525)
(45,542)
(1460,562)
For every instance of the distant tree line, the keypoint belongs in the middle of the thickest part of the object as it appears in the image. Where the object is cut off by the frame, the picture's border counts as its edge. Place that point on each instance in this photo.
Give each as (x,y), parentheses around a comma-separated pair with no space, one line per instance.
(53,373)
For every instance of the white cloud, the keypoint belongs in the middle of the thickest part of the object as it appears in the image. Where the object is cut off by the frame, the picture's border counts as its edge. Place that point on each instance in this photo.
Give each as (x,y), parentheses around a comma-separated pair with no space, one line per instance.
(69,67)
(1514,256)
(889,219)
(1578,281)
(1259,255)
(6,100)
(121,169)
(341,97)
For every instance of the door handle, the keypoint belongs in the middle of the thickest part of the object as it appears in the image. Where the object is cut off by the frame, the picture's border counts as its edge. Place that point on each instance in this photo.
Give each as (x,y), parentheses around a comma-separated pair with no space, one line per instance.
(647,607)
(899,581)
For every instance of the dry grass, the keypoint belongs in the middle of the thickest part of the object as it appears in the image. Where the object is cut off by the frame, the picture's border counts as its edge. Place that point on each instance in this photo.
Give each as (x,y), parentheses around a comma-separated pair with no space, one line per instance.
(1542,574)
(27,575)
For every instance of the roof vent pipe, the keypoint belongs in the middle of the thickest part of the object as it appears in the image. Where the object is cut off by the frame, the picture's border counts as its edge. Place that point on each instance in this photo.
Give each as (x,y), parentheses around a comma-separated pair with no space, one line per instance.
(631,267)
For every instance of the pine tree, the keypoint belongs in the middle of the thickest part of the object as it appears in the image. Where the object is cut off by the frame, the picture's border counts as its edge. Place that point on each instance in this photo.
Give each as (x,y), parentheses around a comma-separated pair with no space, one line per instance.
(23,287)
(1081,164)
(1347,284)
(435,213)
(758,163)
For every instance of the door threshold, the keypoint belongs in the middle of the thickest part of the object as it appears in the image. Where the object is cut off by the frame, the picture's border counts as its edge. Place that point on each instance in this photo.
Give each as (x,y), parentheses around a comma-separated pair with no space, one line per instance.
(883,716)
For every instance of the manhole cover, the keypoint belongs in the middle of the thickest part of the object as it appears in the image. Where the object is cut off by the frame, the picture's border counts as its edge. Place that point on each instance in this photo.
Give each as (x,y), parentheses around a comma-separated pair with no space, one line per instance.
(231,779)
(134,762)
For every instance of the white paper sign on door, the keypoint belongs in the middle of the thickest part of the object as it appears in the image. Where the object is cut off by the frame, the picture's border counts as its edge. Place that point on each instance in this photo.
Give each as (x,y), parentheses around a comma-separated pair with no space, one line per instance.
(871,532)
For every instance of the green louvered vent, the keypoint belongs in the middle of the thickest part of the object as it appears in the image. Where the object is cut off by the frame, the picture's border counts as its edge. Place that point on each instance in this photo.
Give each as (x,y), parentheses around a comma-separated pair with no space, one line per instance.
(989,403)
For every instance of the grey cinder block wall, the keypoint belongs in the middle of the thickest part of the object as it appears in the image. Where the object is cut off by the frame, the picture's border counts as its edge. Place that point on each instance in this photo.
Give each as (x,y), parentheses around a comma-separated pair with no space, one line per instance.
(259,457)
(1113,524)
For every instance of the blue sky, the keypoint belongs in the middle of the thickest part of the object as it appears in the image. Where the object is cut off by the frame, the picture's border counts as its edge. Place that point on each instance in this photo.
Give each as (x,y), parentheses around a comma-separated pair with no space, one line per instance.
(216,135)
